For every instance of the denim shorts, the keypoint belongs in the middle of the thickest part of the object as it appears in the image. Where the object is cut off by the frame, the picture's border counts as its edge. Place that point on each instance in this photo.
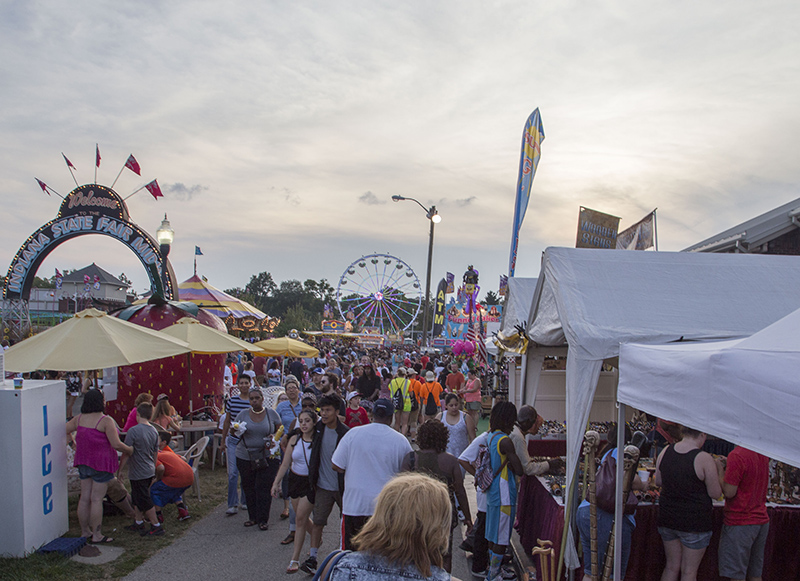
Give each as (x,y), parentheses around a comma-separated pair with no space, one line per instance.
(97,475)
(688,540)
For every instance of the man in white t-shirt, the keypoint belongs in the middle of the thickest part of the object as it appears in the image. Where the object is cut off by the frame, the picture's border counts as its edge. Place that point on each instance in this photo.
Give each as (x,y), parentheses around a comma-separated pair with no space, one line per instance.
(369,456)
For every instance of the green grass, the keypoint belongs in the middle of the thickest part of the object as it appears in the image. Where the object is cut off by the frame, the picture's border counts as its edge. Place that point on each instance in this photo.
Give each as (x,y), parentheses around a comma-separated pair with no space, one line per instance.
(214,491)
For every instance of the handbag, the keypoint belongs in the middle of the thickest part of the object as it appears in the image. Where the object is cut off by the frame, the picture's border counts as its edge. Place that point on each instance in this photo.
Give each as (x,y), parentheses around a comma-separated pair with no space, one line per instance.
(606,488)
(326,567)
(258,458)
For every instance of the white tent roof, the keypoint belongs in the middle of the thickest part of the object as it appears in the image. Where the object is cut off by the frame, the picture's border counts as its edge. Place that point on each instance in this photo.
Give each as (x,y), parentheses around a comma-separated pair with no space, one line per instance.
(517,306)
(745,390)
(593,300)
(596,299)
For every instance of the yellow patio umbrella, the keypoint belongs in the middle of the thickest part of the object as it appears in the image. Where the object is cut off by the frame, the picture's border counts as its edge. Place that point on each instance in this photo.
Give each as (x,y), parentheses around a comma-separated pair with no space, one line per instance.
(285,346)
(204,339)
(91,339)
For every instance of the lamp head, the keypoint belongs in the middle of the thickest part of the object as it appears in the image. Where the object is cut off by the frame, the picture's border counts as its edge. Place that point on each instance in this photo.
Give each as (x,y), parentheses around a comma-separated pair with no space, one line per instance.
(433,215)
(165,234)
(397,198)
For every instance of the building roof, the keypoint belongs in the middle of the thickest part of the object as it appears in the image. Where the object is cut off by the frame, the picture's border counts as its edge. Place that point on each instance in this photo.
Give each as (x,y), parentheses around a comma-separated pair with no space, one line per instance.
(750,236)
(106,277)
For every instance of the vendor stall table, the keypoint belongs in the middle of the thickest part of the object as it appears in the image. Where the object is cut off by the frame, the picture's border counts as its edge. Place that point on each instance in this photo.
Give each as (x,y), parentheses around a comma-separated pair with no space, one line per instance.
(541,516)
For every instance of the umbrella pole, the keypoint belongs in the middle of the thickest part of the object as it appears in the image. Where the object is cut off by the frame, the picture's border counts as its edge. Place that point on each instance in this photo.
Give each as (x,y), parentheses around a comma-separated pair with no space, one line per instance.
(191,408)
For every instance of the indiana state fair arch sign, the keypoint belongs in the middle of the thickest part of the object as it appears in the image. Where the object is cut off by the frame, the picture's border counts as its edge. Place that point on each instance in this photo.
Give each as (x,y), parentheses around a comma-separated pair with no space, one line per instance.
(88,209)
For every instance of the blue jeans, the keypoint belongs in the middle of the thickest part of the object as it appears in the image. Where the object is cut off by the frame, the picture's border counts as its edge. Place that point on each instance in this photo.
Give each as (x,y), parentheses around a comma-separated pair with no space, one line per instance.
(233,473)
(605,521)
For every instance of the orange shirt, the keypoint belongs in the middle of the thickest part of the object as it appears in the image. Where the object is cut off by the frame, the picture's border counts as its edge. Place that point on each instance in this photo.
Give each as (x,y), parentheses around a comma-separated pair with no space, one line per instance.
(433,387)
(414,387)
(454,381)
(177,472)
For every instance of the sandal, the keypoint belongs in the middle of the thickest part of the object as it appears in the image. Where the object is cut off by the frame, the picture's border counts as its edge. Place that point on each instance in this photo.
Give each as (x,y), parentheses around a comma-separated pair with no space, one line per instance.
(285,514)
(289,539)
(250,523)
(293,567)
(104,541)
(263,526)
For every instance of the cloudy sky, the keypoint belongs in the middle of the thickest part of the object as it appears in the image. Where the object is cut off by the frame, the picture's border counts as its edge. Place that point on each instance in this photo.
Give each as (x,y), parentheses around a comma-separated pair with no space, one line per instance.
(280,130)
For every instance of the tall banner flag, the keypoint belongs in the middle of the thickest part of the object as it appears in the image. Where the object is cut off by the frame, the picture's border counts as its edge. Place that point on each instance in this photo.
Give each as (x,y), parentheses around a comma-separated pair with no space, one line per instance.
(438,310)
(532,138)
(450,283)
(596,229)
(197,252)
(640,236)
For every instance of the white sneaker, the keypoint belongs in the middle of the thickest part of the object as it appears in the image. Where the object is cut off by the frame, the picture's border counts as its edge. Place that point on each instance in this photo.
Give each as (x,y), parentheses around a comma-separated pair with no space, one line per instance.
(231,510)
(244,507)
(481,574)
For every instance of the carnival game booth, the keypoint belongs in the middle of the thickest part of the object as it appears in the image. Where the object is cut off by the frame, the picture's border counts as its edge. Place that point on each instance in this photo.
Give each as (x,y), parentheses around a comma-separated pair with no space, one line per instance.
(590,301)
(745,391)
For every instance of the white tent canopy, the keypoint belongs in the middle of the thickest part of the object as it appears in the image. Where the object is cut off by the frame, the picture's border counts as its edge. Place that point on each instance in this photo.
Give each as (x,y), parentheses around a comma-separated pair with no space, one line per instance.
(517,306)
(745,391)
(593,300)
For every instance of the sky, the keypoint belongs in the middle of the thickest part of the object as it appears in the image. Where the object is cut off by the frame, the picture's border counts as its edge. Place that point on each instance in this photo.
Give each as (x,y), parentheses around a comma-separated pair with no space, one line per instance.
(280,130)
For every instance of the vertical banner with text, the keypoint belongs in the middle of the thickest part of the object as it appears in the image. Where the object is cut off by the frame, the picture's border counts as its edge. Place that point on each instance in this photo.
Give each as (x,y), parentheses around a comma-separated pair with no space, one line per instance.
(532,138)
(438,309)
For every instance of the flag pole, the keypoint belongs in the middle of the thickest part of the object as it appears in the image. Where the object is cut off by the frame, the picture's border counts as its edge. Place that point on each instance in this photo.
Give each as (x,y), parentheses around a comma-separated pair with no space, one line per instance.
(655,229)
(55,192)
(134,192)
(195,262)
(71,172)
(116,178)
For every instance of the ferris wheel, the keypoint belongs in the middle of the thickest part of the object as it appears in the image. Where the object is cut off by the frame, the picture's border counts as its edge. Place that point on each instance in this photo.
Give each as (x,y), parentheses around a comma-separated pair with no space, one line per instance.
(379,291)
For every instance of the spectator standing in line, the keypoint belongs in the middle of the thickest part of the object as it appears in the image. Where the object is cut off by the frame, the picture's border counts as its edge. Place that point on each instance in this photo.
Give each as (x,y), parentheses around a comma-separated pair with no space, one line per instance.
(143,438)
(746,525)
(365,472)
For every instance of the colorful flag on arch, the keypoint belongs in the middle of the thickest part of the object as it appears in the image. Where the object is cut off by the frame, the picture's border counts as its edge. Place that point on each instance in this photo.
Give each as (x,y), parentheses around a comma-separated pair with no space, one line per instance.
(42,185)
(154,190)
(133,165)
(532,138)
(69,163)
(96,155)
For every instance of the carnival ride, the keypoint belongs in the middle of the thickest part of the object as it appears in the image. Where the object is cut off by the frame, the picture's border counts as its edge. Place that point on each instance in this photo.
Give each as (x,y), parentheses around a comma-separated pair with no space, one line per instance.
(379,291)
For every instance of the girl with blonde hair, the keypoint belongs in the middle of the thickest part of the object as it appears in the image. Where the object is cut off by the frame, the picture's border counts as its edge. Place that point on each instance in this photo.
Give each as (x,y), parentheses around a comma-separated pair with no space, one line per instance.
(406,537)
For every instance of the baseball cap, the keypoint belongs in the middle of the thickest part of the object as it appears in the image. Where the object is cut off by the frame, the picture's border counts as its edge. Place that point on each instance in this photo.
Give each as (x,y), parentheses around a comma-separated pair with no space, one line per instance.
(162,396)
(353,394)
(401,371)
(383,408)
(430,376)
(318,371)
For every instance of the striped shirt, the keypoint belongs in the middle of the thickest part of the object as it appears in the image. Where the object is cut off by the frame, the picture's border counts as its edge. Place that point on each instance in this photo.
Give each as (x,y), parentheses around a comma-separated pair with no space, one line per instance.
(233,407)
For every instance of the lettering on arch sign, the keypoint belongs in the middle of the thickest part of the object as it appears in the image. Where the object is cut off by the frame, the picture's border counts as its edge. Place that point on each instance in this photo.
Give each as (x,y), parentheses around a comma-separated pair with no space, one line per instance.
(88,209)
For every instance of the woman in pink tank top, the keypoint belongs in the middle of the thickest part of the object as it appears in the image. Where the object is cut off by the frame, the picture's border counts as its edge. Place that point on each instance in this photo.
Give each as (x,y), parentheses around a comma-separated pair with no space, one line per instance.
(97,441)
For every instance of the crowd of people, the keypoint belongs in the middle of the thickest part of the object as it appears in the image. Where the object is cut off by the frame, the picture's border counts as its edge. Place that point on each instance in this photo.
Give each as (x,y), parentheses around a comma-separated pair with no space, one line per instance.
(387,438)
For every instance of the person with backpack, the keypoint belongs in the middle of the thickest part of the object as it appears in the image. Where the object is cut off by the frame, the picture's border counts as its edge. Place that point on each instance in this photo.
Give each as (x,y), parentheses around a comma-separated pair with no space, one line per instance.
(501,493)
(430,392)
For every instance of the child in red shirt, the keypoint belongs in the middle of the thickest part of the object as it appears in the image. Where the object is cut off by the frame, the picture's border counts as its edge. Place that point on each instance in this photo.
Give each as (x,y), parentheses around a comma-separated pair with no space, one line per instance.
(355,415)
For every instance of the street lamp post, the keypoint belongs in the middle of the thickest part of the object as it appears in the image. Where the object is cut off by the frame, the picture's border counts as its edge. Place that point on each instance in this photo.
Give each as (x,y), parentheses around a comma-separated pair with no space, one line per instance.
(433,215)
(165,235)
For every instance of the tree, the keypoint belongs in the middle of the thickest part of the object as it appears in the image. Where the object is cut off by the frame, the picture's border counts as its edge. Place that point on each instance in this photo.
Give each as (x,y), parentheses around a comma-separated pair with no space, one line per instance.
(261,287)
(44,282)
(491,298)
(296,317)
(125,280)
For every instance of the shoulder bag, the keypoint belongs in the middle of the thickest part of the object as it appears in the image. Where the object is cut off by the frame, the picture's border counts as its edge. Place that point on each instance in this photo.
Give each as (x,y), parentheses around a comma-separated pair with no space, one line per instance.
(606,488)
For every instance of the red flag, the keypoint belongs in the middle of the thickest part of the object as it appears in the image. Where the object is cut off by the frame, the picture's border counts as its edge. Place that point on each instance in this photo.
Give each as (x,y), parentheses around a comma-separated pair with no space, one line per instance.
(96,155)
(154,190)
(133,165)
(42,185)
(58,274)
(69,163)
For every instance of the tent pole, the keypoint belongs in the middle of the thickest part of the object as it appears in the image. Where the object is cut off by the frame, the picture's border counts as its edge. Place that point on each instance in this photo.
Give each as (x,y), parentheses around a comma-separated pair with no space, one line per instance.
(619,503)
(522,387)
(655,229)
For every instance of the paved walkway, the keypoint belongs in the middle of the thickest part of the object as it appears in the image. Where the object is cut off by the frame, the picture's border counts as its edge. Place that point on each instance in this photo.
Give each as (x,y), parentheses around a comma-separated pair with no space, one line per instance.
(219,546)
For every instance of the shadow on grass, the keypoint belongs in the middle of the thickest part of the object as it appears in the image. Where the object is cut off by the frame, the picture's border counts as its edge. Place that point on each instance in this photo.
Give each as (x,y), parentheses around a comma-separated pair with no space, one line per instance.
(213,489)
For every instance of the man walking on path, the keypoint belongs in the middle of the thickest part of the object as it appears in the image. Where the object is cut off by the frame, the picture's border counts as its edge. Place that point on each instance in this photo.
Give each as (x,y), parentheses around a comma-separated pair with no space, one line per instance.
(326,483)
(369,456)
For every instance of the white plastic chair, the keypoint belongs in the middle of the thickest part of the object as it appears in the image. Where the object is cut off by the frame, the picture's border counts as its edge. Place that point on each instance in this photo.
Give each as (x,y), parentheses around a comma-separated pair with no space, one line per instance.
(192,456)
